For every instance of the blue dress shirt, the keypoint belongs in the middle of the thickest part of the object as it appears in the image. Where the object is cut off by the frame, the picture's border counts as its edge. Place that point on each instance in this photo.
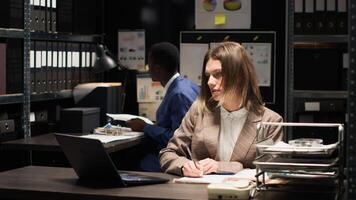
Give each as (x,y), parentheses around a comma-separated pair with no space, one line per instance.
(179,97)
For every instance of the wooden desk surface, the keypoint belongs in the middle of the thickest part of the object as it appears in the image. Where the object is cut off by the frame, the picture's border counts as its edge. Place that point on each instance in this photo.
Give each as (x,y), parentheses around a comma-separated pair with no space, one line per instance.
(34,182)
(47,142)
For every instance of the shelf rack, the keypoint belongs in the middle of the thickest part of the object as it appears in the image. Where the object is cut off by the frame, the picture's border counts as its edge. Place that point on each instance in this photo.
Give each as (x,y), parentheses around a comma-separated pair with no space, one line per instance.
(349,94)
(351,125)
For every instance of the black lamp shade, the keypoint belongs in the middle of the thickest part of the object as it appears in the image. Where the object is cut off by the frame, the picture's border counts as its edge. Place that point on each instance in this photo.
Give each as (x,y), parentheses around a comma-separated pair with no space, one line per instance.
(103,62)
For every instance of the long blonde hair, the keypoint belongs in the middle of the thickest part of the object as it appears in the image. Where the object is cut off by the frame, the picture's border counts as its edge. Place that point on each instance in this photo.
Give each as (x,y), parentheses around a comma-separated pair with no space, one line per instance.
(238,77)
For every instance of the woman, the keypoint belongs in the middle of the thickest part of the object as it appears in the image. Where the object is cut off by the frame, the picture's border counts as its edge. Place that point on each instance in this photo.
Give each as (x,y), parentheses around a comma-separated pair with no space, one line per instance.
(218,133)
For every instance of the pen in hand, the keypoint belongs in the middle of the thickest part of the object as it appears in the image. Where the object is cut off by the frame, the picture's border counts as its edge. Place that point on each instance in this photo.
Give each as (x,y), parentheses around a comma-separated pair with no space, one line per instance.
(196,164)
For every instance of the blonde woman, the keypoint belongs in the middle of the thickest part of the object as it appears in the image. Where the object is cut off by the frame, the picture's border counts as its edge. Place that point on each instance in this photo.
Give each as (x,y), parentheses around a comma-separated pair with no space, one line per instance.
(218,133)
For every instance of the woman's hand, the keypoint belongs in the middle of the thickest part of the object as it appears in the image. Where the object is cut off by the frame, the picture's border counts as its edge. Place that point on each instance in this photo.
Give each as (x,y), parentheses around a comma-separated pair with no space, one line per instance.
(192,169)
(209,165)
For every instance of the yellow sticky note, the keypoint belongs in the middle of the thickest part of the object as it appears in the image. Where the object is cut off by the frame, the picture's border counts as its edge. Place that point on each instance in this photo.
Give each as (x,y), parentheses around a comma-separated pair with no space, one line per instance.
(220,19)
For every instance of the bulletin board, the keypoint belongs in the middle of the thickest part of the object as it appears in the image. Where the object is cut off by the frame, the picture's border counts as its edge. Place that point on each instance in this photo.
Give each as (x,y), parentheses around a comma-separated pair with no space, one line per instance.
(218,14)
(261,46)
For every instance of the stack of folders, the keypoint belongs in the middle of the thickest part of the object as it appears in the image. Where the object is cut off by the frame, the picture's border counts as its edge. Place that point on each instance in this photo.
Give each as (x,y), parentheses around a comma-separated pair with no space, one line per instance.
(44,15)
(56,66)
(325,17)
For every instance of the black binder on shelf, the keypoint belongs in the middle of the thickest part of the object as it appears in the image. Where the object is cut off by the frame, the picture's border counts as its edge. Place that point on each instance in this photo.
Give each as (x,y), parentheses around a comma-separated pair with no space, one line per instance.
(341,19)
(308,17)
(75,64)
(42,16)
(331,16)
(37,76)
(55,66)
(53,16)
(48,10)
(61,66)
(49,67)
(32,67)
(35,16)
(84,68)
(69,65)
(298,16)
(41,68)
(2,68)
(320,16)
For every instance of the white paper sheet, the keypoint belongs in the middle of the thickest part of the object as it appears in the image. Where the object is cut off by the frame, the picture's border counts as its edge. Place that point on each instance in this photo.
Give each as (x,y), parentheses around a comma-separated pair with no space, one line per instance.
(191,60)
(112,138)
(211,178)
(126,117)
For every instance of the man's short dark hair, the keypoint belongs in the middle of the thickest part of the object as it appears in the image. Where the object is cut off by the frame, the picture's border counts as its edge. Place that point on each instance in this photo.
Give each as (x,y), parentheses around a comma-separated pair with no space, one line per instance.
(165,55)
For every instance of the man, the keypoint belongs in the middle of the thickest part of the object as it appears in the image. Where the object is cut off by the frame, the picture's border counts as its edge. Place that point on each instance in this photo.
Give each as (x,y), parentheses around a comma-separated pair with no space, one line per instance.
(163,61)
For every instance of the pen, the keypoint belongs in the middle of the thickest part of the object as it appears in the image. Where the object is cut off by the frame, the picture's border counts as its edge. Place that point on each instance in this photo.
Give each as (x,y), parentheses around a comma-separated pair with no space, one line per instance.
(191,157)
(223,173)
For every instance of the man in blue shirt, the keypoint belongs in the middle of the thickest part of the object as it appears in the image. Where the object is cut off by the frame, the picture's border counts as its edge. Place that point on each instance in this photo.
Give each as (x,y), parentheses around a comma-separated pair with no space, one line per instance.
(163,61)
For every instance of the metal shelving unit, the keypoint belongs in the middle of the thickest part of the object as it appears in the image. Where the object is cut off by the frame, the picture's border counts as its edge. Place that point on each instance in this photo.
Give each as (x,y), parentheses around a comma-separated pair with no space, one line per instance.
(291,40)
(58,37)
(349,95)
(27,35)
(351,125)
(17,98)
(26,124)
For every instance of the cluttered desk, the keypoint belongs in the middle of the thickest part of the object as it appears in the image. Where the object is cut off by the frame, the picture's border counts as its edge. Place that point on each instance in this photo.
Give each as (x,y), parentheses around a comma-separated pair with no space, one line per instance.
(65,183)
(35,182)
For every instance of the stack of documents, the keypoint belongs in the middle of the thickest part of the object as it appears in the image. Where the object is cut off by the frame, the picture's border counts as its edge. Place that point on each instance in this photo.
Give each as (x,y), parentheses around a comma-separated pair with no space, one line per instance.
(112,138)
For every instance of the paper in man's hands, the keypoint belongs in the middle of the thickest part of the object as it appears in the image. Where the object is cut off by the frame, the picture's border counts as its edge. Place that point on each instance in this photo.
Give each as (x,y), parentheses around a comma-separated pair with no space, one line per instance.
(127,117)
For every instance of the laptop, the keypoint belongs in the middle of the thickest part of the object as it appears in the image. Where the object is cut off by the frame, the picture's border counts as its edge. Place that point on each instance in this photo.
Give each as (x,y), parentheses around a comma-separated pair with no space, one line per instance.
(92,163)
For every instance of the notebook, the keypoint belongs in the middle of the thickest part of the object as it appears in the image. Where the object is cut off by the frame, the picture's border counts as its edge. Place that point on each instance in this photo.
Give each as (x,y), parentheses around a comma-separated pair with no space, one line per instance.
(91,162)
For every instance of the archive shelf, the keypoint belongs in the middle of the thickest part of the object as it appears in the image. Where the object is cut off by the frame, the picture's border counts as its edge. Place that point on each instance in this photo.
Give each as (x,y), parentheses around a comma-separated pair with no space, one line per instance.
(348,94)
(26,37)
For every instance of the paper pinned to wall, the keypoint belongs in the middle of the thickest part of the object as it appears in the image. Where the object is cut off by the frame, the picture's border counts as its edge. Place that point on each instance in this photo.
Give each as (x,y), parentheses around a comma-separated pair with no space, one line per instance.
(131,49)
(261,56)
(148,90)
(191,60)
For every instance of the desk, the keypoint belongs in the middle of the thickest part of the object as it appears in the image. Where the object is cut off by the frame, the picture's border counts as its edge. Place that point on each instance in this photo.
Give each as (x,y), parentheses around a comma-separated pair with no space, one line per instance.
(47,142)
(34,182)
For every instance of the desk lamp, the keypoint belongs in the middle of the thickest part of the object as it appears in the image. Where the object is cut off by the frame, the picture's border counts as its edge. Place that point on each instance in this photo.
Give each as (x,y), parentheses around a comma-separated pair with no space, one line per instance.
(103,61)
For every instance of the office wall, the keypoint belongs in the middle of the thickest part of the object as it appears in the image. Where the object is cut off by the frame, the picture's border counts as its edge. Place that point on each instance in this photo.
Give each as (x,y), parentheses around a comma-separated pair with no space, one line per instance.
(164,19)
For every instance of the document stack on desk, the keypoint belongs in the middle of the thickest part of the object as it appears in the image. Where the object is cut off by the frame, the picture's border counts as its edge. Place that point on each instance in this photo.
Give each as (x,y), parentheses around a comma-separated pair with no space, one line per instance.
(125,133)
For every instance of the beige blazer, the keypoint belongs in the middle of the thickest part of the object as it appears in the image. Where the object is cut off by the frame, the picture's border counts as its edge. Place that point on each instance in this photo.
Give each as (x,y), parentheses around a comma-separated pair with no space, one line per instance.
(200,133)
